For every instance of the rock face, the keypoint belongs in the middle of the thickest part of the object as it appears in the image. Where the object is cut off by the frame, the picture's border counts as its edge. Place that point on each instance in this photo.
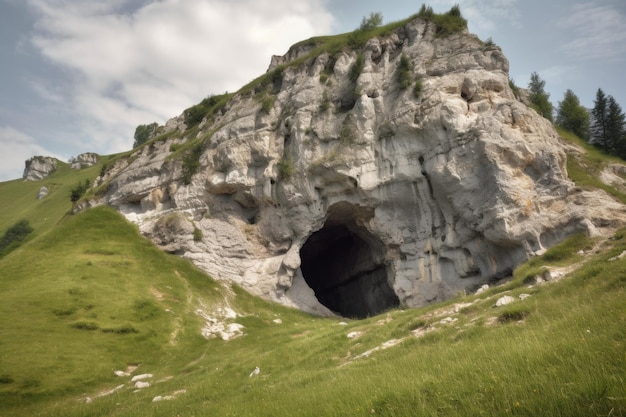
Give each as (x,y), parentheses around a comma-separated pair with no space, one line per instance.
(334,186)
(39,167)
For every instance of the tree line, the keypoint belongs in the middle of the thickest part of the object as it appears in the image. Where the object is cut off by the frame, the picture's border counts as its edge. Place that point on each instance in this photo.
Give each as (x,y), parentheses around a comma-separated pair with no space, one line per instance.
(603,126)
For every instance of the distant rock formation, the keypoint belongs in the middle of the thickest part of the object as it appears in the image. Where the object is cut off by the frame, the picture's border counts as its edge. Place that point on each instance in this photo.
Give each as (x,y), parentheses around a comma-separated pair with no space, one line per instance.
(357,179)
(84,160)
(39,167)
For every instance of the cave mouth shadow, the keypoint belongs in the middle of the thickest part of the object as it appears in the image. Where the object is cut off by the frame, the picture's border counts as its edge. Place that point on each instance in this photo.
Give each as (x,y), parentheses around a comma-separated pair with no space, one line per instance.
(344,265)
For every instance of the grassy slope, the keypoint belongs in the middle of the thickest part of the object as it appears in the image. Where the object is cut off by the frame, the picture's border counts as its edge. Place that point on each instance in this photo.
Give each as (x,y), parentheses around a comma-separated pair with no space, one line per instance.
(559,352)
(19,198)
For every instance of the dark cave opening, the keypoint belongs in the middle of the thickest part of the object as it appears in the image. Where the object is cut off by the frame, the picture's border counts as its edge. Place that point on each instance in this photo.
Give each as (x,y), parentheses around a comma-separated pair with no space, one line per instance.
(343,265)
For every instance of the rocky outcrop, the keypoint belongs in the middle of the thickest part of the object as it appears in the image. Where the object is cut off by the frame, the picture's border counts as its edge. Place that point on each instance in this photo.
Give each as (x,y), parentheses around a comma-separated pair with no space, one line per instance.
(84,160)
(399,173)
(39,167)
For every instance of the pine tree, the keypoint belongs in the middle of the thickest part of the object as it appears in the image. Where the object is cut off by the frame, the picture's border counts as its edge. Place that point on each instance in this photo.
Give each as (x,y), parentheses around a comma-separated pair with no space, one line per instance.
(615,126)
(572,116)
(539,99)
(599,114)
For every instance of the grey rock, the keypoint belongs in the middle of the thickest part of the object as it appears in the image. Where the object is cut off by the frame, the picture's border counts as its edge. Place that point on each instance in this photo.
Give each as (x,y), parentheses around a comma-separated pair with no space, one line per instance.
(43,192)
(397,200)
(502,301)
(39,167)
(84,160)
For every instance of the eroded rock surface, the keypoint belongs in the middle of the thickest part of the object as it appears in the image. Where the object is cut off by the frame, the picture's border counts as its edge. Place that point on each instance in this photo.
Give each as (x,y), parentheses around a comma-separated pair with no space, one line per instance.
(330,194)
(39,167)
(84,160)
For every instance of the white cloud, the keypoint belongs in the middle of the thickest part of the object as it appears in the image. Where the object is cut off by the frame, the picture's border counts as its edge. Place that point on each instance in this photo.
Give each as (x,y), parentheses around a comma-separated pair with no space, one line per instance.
(17,147)
(596,31)
(128,66)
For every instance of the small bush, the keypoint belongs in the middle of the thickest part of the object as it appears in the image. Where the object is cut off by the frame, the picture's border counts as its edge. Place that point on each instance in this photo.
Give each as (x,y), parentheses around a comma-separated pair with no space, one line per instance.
(85,325)
(348,132)
(61,312)
(286,168)
(489,42)
(357,68)
(447,23)
(197,235)
(514,88)
(373,21)
(426,12)
(325,104)
(14,236)
(5,379)
(191,162)
(455,11)
(513,314)
(417,88)
(79,190)
(125,329)
(267,102)
(207,107)
(404,72)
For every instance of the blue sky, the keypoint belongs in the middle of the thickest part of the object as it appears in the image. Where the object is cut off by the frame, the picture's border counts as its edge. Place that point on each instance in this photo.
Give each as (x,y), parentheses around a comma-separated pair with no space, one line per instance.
(79,75)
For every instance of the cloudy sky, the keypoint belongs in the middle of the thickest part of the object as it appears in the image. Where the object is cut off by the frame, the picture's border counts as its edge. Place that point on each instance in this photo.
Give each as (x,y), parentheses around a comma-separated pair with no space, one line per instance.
(79,75)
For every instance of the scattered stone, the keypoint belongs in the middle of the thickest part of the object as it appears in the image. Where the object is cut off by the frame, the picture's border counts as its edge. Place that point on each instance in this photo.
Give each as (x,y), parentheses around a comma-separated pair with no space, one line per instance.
(448,320)
(620,256)
(343,323)
(482,289)
(502,301)
(524,296)
(168,397)
(43,192)
(421,331)
(141,384)
(255,372)
(141,377)
(458,307)
(121,373)
(385,345)
(277,321)
(215,325)
(354,335)
(104,393)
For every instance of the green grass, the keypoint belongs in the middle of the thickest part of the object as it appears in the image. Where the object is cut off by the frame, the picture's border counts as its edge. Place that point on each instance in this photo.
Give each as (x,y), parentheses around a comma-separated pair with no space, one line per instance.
(86,295)
(585,169)
(92,296)
(19,198)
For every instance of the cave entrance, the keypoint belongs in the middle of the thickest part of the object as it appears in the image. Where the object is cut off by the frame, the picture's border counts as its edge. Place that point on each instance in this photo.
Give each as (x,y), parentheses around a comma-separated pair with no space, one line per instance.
(344,265)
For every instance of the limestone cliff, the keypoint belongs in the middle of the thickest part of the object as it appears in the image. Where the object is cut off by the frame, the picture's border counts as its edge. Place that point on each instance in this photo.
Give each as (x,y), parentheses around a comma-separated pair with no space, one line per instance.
(357,178)
(39,167)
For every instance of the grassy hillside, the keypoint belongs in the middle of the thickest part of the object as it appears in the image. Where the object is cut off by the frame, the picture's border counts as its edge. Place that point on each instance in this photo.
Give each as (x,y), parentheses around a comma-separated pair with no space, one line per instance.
(86,296)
